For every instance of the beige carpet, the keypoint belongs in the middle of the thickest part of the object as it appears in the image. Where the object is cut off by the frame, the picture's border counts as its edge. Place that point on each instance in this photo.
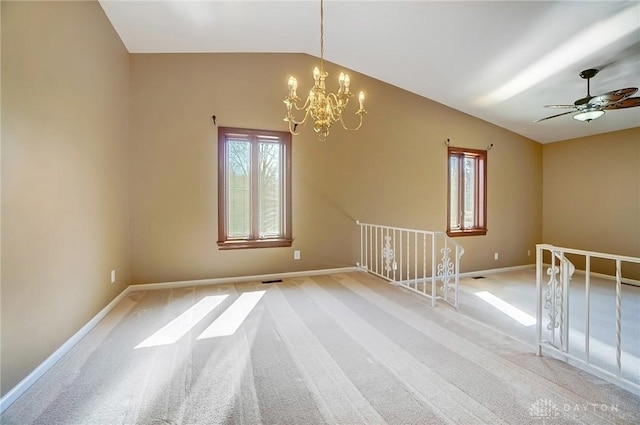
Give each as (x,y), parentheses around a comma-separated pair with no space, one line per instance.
(335,349)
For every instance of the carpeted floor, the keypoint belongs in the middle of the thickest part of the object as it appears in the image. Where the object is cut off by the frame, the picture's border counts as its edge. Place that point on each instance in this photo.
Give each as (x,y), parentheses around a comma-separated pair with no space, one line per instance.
(518,288)
(334,349)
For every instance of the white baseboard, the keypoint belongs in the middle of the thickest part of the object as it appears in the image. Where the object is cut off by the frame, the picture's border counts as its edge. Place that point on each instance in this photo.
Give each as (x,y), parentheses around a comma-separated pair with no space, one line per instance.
(500,270)
(630,281)
(627,280)
(13,394)
(237,279)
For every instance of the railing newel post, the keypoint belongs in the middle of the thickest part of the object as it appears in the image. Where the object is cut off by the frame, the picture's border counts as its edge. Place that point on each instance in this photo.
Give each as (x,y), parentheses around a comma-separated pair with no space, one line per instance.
(539,298)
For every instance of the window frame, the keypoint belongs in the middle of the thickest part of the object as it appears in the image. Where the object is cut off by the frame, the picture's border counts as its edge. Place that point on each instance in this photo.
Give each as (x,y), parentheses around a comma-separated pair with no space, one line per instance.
(284,239)
(480,199)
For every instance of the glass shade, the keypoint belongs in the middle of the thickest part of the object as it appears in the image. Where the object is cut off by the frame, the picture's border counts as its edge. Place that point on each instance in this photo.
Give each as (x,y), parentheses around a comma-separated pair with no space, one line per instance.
(588,115)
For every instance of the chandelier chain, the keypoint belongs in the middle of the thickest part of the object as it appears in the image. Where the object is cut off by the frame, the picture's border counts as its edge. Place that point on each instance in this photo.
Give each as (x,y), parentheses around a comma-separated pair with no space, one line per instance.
(321,35)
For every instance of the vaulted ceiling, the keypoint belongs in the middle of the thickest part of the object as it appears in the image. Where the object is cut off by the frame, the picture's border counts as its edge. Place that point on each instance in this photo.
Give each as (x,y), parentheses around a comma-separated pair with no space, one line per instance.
(500,61)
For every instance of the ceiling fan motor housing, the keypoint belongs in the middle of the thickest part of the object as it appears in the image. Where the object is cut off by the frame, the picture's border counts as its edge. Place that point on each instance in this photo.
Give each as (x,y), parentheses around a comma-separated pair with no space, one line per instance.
(589,73)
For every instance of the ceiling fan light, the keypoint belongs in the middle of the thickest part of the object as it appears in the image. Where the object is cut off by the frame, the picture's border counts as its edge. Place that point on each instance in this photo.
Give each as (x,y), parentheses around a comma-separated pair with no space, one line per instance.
(588,115)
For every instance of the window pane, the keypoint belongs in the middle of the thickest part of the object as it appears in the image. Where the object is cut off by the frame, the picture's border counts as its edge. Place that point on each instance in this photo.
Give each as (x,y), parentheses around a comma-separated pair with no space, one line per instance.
(269,185)
(454,196)
(469,192)
(238,188)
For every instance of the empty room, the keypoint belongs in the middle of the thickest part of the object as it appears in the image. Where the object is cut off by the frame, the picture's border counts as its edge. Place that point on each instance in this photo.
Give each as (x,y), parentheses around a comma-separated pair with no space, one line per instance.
(320,212)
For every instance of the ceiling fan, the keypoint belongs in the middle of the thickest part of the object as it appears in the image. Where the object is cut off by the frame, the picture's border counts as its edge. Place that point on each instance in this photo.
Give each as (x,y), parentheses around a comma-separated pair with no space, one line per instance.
(591,107)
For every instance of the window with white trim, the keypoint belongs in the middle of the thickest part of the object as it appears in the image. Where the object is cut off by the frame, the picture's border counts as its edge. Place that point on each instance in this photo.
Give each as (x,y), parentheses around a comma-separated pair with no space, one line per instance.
(254,188)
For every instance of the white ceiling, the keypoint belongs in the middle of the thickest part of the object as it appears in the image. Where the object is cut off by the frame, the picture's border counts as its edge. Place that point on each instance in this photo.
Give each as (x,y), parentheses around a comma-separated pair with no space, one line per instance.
(500,61)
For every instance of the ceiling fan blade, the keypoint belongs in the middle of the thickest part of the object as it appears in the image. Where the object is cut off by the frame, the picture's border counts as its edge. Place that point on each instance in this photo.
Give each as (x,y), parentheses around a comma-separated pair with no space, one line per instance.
(612,96)
(553,116)
(630,102)
(560,106)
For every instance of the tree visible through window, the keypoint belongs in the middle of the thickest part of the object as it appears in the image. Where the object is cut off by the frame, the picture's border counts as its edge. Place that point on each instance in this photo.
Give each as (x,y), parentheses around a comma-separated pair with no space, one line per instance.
(467,206)
(254,188)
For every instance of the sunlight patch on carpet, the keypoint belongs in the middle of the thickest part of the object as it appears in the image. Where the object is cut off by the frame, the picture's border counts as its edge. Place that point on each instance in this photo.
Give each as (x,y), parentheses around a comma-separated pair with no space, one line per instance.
(178,327)
(508,309)
(229,321)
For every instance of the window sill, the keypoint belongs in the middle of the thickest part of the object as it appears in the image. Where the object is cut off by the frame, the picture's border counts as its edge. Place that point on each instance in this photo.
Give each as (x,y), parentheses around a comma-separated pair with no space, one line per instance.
(473,232)
(249,244)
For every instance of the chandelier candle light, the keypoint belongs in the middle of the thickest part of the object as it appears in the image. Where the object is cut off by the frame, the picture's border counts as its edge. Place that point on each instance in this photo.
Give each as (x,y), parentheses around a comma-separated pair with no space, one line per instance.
(324,108)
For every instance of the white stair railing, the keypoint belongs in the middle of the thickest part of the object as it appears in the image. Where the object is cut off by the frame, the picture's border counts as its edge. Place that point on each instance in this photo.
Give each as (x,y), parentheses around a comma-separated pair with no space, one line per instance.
(573,341)
(424,262)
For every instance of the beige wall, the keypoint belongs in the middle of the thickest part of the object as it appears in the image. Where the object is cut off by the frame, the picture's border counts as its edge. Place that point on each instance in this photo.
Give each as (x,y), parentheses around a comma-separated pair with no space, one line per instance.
(393,171)
(592,195)
(64,175)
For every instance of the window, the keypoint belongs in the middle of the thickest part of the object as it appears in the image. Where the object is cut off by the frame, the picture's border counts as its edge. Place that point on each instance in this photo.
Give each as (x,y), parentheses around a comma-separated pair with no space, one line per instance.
(254,188)
(467,207)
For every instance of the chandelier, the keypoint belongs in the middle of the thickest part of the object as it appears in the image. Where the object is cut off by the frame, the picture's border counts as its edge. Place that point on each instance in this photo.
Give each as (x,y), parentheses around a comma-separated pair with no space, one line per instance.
(324,108)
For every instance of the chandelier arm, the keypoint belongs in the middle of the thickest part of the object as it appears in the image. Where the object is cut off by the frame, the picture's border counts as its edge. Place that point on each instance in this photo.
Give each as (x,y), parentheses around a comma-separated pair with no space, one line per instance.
(332,98)
(303,107)
(335,101)
(292,128)
(293,120)
(295,104)
(361,114)
(293,123)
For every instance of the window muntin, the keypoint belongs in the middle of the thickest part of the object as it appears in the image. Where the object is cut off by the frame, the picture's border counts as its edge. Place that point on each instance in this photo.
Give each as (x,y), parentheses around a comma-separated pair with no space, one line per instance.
(254,190)
(467,192)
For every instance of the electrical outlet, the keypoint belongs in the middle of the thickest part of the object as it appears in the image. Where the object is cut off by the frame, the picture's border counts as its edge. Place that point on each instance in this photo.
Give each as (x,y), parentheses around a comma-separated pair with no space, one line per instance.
(528,253)
(113,276)
(296,254)
(495,256)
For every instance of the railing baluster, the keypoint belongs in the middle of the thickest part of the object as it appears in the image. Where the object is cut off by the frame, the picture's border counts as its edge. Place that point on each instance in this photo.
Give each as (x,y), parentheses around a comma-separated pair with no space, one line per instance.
(408,263)
(433,270)
(424,259)
(445,273)
(415,261)
(400,266)
(554,299)
(370,250)
(377,252)
(457,279)
(587,303)
(392,254)
(565,302)
(385,252)
(370,262)
(618,315)
(361,245)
